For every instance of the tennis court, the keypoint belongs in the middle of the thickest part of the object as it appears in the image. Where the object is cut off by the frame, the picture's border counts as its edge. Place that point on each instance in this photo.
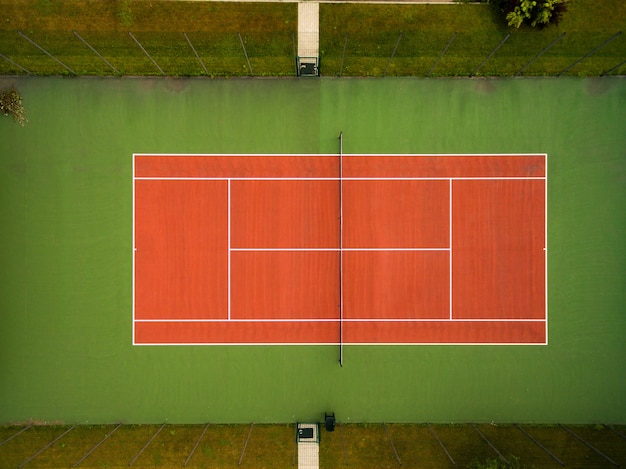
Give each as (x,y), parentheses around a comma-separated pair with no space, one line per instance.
(348,249)
(79,305)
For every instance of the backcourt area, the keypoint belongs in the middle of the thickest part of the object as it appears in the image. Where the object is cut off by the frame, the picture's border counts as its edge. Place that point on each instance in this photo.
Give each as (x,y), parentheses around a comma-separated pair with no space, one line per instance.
(79,305)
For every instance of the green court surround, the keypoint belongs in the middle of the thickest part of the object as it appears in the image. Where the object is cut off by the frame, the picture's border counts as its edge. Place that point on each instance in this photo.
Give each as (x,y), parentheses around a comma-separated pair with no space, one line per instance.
(66,254)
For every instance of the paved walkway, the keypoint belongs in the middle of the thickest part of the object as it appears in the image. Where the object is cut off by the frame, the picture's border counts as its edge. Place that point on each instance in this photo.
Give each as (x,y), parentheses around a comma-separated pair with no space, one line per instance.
(309,449)
(308,29)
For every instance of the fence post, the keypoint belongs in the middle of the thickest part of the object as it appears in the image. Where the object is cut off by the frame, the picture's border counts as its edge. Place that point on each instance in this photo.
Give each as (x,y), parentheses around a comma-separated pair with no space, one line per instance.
(106,437)
(246,54)
(392,54)
(245,445)
(15,63)
(615,36)
(146,445)
(206,427)
(395,451)
(97,53)
(443,447)
(612,69)
(146,52)
(445,49)
(540,54)
(46,447)
(195,52)
(491,445)
(491,55)
(295,53)
(534,440)
(343,55)
(46,52)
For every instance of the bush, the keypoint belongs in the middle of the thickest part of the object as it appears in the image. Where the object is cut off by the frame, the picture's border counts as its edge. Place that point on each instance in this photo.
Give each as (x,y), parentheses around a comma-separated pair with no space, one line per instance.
(11,105)
(536,13)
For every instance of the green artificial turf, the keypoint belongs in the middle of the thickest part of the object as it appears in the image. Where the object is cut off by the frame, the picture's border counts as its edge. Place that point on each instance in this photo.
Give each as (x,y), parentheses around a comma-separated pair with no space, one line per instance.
(66,251)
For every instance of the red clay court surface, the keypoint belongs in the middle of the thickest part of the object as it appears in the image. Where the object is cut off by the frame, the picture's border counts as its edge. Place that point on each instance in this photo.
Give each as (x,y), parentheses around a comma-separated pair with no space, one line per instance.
(249,249)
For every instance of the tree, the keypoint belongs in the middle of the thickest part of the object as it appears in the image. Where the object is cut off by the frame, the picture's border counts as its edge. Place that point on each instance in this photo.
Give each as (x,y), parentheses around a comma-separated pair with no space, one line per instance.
(11,105)
(536,13)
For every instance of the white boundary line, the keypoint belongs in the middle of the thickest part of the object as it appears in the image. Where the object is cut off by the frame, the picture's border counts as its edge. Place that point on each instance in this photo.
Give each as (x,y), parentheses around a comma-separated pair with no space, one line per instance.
(229,250)
(333,344)
(545,247)
(334,155)
(134,249)
(450,245)
(254,321)
(545,178)
(334,249)
(485,178)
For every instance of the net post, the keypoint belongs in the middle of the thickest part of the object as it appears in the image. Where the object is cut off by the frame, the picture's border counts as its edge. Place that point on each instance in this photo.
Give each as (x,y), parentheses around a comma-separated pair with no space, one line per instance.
(341,248)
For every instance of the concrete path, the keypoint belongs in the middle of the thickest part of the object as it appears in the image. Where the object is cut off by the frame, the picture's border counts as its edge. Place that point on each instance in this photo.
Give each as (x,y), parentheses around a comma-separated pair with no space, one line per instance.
(309,449)
(308,29)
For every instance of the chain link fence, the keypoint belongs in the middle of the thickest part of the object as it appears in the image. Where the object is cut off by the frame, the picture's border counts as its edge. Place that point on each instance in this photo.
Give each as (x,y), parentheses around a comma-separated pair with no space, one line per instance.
(368,53)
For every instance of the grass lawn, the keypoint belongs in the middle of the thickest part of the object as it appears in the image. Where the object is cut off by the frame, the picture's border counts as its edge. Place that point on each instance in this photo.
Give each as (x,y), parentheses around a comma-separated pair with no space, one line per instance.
(267,446)
(267,31)
(471,32)
(355,39)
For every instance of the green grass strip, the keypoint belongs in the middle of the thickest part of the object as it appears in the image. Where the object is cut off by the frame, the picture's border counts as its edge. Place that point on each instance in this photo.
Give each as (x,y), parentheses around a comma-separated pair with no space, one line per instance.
(355,39)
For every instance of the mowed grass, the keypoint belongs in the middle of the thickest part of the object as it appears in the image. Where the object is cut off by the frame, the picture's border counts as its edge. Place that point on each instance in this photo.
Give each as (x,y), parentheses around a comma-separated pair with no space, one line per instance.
(376,40)
(269,446)
(355,39)
(216,31)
